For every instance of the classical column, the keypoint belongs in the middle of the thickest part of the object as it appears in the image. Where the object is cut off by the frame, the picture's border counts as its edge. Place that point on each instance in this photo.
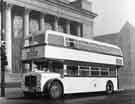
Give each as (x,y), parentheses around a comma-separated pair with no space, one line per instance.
(68,27)
(0,24)
(42,22)
(79,29)
(56,24)
(26,22)
(9,36)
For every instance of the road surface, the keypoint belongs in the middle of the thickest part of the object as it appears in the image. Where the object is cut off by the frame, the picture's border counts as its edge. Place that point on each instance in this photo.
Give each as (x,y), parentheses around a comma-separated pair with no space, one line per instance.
(15,96)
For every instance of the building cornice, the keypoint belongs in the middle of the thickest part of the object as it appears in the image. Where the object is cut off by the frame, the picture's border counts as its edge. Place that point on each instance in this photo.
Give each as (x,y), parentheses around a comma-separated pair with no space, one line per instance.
(57,8)
(80,10)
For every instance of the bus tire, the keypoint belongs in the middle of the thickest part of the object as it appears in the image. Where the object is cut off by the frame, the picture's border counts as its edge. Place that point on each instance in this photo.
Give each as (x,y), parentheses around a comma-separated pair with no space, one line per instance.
(109,88)
(55,90)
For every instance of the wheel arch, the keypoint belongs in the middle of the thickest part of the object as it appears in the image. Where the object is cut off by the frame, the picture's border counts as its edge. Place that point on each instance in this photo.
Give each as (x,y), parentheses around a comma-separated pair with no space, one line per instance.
(48,83)
(110,82)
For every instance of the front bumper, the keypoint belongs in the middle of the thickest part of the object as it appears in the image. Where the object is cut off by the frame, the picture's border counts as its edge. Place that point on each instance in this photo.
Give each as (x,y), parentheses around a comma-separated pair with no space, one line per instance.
(31,89)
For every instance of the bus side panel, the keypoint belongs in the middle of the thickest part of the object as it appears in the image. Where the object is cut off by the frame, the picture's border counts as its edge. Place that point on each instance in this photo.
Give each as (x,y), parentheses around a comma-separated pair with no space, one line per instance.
(76,84)
(70,54)
(86,84)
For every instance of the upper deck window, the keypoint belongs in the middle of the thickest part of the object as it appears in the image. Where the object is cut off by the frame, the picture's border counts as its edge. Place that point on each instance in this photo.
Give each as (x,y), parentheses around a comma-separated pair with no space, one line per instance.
(68,41)
(34,40)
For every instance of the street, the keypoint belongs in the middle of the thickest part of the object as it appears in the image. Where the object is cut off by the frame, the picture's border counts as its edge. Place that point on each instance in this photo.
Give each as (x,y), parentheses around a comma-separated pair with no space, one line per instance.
(15,96)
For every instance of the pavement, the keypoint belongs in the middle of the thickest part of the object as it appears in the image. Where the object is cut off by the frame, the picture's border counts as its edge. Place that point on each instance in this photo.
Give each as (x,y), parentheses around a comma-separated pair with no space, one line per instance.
(12,80)
(12,92)
(12,85)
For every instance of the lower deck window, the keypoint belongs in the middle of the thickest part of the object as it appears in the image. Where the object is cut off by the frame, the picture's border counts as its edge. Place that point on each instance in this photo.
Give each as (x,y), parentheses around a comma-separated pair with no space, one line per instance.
(94,71)
(87,71)
(72,70)
(112,72)
(83,73)
(75,70)
(104,71)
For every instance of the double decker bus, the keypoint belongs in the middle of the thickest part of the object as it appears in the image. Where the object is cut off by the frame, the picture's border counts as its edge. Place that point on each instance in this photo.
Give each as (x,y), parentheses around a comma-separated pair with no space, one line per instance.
(58,64)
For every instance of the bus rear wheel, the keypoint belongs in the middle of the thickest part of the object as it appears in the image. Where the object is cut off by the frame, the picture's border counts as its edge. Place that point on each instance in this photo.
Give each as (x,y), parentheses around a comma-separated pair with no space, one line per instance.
(109,87)
(55,90)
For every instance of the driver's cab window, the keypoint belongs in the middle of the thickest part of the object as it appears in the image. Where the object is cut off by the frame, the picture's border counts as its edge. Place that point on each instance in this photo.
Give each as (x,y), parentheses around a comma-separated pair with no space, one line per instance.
(57,67)
(48,66)
(44,67)
(40,66)
(35,67)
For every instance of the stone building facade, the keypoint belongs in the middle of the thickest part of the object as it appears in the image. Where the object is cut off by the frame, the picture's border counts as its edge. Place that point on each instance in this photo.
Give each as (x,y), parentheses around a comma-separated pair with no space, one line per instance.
(125,39)
(29,17)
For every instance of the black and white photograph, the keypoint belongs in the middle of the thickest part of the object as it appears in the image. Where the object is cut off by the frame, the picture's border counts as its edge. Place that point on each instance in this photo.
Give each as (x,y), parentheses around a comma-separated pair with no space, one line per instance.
(67,52)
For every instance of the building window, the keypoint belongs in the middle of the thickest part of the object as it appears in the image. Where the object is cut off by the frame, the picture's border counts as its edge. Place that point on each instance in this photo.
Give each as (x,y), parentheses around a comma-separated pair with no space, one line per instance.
(34,22)
(73,28)
(18,26)
(62,25)
(49,22)
(81,31)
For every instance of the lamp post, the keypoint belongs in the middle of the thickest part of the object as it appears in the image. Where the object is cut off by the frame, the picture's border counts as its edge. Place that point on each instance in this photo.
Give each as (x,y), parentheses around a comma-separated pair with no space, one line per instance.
(2,51)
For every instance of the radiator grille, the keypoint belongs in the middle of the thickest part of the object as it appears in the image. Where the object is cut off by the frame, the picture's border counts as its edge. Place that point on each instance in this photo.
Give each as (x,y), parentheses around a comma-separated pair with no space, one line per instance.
(30,81)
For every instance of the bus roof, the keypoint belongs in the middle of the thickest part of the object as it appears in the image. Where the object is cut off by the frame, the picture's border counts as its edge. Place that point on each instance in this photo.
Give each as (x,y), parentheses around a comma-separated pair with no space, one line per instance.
(98,46)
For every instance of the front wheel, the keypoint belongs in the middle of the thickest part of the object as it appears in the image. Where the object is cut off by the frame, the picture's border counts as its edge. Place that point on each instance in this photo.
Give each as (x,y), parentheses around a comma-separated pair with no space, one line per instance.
(55,90)
(109,87)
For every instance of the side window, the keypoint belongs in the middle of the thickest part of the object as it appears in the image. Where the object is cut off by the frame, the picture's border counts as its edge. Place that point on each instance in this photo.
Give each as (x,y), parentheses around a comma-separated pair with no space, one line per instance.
(84,71)
(57,67)
(104,71)
(70,42)
(94,71)
(72,70)
(112,72)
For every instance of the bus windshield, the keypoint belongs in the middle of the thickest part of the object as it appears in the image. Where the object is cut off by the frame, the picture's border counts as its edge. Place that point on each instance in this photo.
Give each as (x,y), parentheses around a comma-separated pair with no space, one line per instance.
(48,66)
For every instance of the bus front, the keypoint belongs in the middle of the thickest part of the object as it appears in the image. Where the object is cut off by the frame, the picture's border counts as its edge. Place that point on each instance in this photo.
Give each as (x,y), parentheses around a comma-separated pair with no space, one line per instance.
(38,69)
